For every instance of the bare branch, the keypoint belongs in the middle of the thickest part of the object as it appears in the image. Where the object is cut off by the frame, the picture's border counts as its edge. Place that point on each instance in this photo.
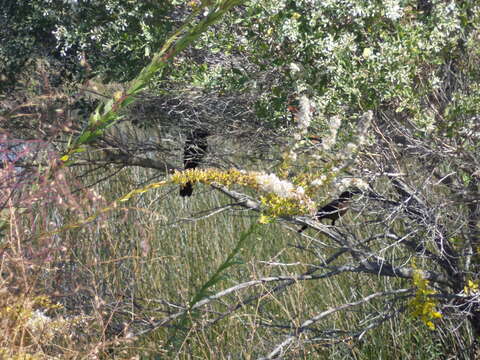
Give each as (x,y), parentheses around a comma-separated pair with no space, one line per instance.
(281,348)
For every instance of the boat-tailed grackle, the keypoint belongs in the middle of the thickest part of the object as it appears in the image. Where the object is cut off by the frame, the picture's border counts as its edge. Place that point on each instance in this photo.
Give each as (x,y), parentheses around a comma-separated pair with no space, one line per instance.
(194,151)
(335,209)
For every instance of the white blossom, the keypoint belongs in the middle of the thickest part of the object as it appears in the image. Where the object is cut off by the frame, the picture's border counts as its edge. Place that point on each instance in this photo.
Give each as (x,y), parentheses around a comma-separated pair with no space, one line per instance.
(283,188)
(319,181)
(271,183)
(294,68)
(393,11)
(38,320)
(304,114)
(330,140)
(351,147)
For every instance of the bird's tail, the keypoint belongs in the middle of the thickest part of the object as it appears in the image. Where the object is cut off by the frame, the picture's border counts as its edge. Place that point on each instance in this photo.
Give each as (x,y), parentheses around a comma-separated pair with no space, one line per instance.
(187,189)
(302,229)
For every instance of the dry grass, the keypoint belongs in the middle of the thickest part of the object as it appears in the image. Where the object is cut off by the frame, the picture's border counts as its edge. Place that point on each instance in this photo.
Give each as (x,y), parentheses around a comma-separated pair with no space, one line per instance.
(86,291)
(100,283)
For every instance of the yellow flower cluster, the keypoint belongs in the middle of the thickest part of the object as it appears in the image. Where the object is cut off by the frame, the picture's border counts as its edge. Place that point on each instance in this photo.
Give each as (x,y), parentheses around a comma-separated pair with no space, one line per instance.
(280,206)
(282,197)
(210,176)
(423,306)
(471,288)
(24,310)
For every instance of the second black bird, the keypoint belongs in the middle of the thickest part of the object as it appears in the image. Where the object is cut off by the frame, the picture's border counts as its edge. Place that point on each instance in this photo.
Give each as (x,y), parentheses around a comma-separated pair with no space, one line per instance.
(335,209)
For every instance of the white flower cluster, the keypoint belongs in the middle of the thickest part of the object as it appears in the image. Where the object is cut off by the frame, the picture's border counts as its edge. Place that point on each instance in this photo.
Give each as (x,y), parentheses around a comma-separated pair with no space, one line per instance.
(283,188)
(330,140)
(290,29)
(272,184)
(393,11)
(449,26)
(38,320)
(304,114)
(295,68)
(319,181)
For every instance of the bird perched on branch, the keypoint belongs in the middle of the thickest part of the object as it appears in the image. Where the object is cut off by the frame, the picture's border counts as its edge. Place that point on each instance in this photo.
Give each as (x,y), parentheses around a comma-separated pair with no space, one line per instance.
(335,209)
(194,151)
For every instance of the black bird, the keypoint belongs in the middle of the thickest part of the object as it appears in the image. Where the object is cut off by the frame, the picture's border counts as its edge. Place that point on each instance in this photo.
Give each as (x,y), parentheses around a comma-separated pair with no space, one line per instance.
(194,151)
(335,209)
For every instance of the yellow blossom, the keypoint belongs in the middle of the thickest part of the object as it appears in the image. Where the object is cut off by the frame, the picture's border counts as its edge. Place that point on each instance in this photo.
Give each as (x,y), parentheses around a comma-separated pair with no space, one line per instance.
(296,16)
(423,306)
(471,287)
